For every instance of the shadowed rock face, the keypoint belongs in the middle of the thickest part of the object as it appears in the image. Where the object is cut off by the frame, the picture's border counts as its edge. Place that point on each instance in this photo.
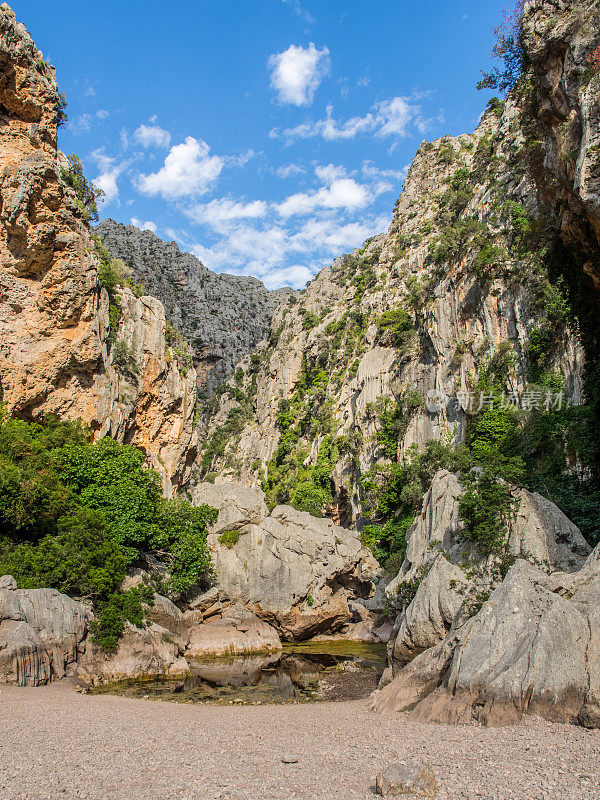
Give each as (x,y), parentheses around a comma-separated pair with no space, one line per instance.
(223,317)
(532,649)
(41,633)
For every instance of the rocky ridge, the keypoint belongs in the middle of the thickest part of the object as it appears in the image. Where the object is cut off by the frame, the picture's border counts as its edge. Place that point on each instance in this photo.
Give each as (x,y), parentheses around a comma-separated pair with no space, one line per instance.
(222,317)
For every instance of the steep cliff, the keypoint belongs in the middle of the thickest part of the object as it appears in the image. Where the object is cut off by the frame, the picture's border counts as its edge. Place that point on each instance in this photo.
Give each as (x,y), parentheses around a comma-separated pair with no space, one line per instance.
(60,353)
(385,346)
(223,317)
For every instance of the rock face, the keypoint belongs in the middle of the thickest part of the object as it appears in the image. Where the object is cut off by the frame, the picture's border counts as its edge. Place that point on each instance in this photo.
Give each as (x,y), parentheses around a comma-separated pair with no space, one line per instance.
(474,645)
(560,37)
(56,354)
(293,570)
(41,634)
(142,652)
(223,317)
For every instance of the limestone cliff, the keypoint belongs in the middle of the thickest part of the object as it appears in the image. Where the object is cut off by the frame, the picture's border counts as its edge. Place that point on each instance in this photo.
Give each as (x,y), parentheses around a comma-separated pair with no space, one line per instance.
(223,317)
(456,284)
(57,349)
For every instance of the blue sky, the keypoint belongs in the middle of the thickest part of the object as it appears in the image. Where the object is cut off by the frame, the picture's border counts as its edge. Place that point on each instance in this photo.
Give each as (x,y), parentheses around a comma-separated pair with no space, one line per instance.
(265,136)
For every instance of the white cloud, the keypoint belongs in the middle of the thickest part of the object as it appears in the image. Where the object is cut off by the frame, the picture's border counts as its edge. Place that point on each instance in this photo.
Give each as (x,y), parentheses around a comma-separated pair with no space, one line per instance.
(301,12)
(289,170)
(390,118)
(337,238)
(110,170)
(297,73)
(330,173)
(152,136)
(83,123)
(295,276)
(218,212)
(188,170)
(241,159)
(370,170)
(344,193)
(144,226)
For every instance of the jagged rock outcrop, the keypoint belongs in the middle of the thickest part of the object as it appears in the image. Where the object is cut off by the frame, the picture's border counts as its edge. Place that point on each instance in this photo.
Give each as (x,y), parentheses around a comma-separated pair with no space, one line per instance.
(532,648)
(295,571)
(448,574)
(484,640)
(42,632)
(57,351)
(223,317)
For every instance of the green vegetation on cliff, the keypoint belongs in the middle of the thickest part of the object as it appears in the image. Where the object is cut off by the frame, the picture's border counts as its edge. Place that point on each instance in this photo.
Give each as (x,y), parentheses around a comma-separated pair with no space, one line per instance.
(75,514)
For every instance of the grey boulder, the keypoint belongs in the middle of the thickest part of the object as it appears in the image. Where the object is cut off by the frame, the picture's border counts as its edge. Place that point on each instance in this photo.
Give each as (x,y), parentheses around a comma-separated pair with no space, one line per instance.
(41,633)
(295,571)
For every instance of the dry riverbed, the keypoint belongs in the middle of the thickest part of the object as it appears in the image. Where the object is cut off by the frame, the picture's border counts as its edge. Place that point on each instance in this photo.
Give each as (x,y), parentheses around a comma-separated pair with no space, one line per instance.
(55,743)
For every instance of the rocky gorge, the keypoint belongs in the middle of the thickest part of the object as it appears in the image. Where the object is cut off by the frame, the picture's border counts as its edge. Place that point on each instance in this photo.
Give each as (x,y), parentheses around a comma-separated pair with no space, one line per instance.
(400,453)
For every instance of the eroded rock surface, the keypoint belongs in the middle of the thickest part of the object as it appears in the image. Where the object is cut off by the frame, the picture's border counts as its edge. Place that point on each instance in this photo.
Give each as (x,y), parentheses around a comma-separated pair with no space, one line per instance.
(472,644)
(293,570)
(41,633)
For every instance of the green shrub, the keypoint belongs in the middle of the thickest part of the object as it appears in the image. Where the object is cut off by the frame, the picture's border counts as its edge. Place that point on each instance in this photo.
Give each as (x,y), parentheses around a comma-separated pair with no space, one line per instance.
(119,608)
(229,538)
(74,514)
(123,357)
(484,508)
(86,193)
(397,325)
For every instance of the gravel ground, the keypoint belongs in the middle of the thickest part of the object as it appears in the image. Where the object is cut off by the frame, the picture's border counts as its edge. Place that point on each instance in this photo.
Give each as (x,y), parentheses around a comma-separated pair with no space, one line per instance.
(55,743)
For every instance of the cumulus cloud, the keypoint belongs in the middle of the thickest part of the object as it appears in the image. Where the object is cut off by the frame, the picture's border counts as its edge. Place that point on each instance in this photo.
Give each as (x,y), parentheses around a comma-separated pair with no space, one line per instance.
(110,170)
(343,193)
(390,118)
(297,72)
(188,170)
(224,210)
(152,136)
(144,226)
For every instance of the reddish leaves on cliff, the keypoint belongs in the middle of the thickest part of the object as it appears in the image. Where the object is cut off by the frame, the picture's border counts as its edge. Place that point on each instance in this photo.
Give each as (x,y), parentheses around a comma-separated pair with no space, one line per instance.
(509,50)
(594,59)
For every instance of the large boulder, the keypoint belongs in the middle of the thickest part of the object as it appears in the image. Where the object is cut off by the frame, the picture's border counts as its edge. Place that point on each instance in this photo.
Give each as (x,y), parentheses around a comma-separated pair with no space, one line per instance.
(236,632)
(41,633)
(142,652)
(445,578)
(295,571)
(534,647)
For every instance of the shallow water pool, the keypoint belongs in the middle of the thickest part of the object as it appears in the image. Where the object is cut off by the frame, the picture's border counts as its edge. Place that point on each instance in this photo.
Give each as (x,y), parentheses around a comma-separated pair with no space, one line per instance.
(329,670)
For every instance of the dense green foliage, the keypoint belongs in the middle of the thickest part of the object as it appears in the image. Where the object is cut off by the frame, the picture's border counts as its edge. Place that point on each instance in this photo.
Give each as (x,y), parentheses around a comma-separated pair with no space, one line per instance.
(86,193)
(75,514)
